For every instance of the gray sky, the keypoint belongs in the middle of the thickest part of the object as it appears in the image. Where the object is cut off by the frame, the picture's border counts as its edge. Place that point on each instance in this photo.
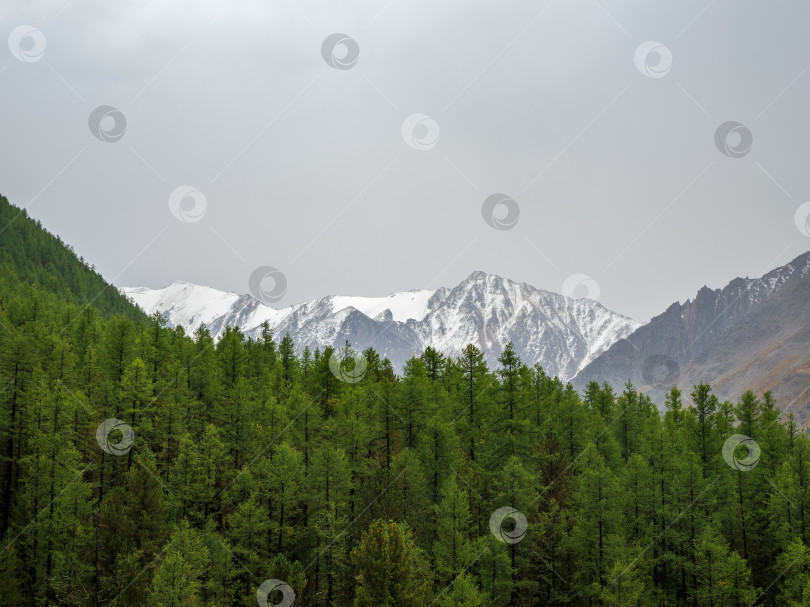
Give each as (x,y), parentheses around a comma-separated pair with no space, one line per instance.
(304,167)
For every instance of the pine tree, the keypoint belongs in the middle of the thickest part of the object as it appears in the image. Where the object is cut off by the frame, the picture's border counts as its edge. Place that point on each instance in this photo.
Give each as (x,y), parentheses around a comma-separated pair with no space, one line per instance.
(434,364)
(705,405)
(248,529)
(474,376)
(452,549)
(133,525)
(463,592)
(178,576)
(286,474)
(793,568)
(723,578)
(287,359)
(15,371)
(328,488)
(389,567)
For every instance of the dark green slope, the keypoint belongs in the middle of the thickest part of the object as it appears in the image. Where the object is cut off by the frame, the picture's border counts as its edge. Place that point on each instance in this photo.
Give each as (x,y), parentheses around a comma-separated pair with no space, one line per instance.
(30,255)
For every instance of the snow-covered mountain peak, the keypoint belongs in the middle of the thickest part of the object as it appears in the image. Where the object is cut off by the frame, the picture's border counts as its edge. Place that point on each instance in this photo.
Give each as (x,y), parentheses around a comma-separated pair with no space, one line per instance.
(404,305)
(560,333)
(183,303)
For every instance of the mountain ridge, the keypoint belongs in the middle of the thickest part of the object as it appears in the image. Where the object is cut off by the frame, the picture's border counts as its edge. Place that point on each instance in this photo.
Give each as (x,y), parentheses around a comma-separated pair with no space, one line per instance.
(754,333)
(558,332)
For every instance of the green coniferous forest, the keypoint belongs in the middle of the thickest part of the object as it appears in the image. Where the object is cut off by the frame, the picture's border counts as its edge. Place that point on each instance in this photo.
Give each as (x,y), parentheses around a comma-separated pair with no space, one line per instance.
(144,466)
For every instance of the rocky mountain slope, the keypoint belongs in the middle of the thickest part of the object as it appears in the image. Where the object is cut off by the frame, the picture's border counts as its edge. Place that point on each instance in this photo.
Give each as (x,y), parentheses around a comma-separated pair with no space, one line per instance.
(751,334)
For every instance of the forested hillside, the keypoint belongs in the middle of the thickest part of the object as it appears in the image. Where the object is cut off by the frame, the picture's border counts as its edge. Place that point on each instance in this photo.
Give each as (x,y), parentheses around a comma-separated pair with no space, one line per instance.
(30,255)
(144,466)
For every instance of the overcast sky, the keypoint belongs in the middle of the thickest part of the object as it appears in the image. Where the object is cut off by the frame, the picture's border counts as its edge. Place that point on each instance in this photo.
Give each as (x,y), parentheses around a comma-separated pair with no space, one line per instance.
(608,146)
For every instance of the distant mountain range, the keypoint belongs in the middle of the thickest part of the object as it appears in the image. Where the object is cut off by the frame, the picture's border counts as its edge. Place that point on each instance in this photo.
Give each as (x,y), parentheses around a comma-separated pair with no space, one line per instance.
(752,334)
(561,333)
